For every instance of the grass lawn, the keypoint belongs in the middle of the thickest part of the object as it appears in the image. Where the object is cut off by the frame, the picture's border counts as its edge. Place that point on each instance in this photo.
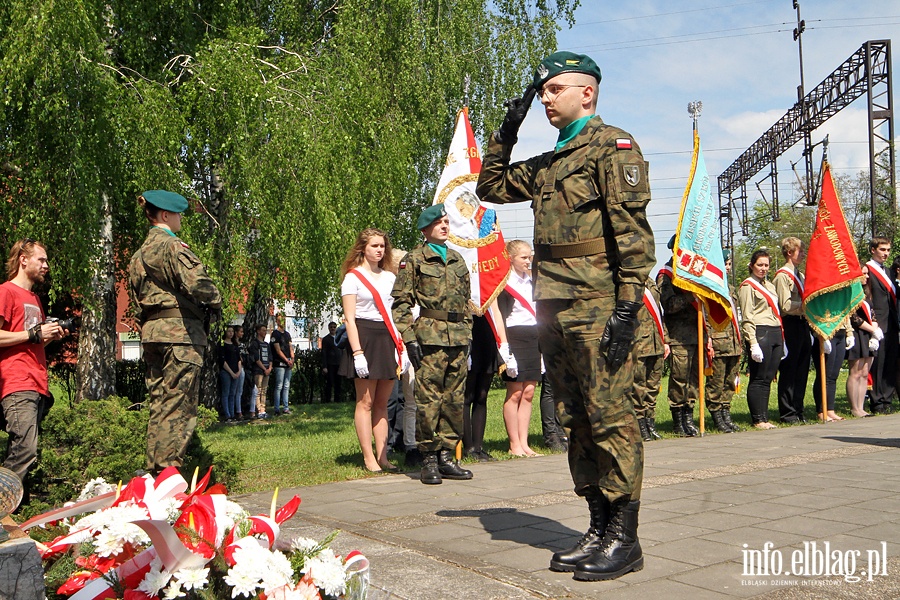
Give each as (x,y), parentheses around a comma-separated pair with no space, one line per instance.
(317,443)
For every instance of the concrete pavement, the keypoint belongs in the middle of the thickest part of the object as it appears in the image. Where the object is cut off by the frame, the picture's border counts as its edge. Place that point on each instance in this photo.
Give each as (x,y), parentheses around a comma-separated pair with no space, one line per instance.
(738,515)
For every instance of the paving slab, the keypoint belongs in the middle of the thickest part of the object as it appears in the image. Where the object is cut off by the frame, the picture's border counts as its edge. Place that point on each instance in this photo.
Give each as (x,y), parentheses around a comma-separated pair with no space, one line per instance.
(718,515)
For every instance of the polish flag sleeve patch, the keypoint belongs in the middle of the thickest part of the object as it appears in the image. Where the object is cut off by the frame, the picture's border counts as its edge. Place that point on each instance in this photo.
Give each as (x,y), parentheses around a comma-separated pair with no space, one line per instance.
(623,144)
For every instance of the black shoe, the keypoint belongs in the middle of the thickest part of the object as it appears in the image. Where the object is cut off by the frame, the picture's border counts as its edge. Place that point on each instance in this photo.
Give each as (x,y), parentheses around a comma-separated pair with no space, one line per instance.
(645,433)
(413,458)
(719,422)
(687,421)
(482,456)
(556,444)
(726,416)
(651,428)
(431,475)
(678,422)
(620,551)
(449,468)
(792,420)
(564,561)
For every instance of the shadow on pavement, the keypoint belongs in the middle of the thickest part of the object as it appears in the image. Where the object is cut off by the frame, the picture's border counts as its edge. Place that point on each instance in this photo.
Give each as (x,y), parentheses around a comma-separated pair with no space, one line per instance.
(512,525)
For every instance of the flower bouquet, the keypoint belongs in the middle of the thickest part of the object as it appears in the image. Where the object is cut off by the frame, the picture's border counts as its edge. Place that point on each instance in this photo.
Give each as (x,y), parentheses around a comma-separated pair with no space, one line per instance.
(155,540)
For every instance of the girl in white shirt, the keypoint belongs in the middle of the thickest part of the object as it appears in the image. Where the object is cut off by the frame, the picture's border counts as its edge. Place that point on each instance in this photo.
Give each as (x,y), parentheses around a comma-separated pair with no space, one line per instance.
(370,358)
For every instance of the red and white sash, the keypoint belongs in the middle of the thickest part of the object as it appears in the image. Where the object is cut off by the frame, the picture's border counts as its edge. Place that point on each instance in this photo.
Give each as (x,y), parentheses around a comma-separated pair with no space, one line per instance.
(867,310)
(385,314)
(790,273)
(876,270)
(769,297)
(655,312)
(521,299)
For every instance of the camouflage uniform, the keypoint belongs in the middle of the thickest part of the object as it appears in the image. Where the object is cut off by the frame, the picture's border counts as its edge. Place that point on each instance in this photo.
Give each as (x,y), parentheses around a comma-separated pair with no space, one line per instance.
(648,360)
(681,324)
(171,289)
(443,331)
(593,247)
(722,384)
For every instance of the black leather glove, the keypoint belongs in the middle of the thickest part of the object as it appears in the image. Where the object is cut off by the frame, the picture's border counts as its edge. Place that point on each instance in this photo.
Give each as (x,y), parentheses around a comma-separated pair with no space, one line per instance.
(415,354)
(619,333)
(517,109)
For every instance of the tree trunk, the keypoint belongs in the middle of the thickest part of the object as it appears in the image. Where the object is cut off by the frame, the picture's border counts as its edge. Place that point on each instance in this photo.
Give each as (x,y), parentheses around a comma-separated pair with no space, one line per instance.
(96,369)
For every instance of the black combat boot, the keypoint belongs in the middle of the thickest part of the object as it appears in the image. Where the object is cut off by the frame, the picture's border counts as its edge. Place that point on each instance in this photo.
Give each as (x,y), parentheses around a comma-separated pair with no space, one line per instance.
(687,421)
(719,421)
(431,475)
(651,427)
(620,551)
(565,560)
(449,468)
(645,433)
(678,422)
(726,416)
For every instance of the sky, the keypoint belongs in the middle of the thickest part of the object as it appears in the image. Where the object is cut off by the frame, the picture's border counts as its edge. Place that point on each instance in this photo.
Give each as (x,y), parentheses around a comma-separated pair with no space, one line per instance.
(740,60)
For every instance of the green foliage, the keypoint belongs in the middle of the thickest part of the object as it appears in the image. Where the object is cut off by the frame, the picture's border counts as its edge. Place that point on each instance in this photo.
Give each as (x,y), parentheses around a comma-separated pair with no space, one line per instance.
(105,438)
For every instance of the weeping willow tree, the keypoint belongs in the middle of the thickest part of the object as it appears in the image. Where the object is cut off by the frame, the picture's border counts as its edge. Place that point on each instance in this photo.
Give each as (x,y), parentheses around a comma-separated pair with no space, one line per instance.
(292,125)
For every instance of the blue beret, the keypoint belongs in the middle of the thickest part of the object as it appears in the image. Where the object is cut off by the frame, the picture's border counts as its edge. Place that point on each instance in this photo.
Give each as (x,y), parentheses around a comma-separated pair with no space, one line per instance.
(164,200)
(564,62)
(430,215)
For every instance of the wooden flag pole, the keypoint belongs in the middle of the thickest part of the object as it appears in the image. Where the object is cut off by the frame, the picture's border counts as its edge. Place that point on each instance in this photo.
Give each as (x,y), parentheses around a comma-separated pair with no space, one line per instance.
(823,385)
(701,378)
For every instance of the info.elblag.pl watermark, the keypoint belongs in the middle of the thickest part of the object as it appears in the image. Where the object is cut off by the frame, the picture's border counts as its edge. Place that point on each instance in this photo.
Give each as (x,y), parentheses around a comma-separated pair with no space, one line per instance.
(770,566)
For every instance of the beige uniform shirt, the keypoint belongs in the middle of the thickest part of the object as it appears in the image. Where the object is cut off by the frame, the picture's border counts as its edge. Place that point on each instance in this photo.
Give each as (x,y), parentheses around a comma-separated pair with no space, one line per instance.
(755,309)
(790,296)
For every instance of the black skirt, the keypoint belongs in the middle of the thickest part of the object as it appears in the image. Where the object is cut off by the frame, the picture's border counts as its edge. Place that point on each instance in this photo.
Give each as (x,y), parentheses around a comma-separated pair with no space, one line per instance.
(523,343)
(378,348)
(485,358)
(861,348)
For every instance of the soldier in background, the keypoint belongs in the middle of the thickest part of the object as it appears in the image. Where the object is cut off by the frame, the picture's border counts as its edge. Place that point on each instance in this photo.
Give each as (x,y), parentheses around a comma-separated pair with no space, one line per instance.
(793,371)
(593,251)
(680,308)
(174,298)
(650,351)
(723,383)
(436,278)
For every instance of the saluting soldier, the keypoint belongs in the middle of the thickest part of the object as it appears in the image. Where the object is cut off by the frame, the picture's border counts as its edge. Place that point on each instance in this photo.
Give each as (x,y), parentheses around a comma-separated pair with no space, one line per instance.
(174,298)
(593,253)
(436,278)
(650,351)
(723,383)
(681,308)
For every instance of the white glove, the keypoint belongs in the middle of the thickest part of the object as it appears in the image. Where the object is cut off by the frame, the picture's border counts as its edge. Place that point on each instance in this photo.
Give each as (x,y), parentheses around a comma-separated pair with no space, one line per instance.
(404,362)
(543,368)
(512,367)
(878,334)
(756,353)
(361,365)
(873,345)
(851,341)
(826,347)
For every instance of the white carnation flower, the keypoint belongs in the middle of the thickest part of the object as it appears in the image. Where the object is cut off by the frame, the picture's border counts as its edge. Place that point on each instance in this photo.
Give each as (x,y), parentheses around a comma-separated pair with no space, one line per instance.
(192,579)
(155,580)
(327,572)
(304,545)
(173,591)
(277,572)
(95,487)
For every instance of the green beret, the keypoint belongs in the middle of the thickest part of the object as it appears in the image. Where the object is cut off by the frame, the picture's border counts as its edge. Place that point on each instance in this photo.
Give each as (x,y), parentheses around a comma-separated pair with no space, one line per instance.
(164,200)
(430,215)
(726,254)
(671,243)
(564,62)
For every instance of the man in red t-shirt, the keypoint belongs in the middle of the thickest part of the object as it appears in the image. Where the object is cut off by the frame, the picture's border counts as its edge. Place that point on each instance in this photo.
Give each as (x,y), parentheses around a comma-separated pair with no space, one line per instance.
(23,365)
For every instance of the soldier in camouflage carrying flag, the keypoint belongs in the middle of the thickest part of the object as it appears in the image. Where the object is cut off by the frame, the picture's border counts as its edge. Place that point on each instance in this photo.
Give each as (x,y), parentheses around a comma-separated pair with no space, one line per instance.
(175,298)
(593,251)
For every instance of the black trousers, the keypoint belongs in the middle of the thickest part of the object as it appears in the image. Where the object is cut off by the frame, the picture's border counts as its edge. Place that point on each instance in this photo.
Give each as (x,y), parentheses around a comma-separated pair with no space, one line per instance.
(762,373)
(793,371)
(884,370)
(833,362)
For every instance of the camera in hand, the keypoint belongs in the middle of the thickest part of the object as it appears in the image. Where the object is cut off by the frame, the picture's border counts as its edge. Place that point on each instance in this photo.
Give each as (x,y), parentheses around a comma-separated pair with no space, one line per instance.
(67,324)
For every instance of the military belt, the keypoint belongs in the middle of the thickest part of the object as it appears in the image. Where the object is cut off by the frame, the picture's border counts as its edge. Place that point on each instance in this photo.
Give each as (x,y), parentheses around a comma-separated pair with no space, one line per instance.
(171,313)
(570,249)
(443,315)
